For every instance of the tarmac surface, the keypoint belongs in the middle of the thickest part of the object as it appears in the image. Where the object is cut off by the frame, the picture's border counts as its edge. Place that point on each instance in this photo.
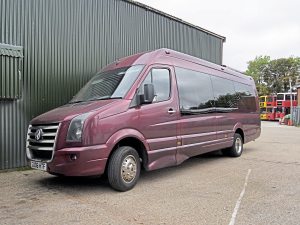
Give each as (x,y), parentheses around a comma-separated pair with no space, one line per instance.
(260,187)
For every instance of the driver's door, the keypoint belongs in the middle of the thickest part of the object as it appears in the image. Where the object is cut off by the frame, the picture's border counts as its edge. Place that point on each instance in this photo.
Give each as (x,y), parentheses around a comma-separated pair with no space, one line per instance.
(158,121)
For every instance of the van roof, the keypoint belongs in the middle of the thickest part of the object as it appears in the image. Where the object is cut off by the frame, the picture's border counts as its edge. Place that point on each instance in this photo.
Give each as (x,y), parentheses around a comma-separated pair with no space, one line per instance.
(156,56)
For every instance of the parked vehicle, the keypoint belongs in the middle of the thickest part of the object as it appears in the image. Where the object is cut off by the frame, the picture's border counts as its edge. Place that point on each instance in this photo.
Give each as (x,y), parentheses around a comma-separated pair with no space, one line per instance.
(283,103)
(263,107)
(150,110)
(263,113)
(271,113)
(271,107)
(263,101)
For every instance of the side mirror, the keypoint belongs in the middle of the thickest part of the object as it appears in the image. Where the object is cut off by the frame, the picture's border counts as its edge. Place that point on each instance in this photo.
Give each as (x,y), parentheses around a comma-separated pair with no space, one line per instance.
(148,95)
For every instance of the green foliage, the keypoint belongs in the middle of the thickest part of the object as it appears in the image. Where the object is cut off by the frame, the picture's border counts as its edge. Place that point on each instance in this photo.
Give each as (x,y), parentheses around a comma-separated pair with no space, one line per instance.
(272,76)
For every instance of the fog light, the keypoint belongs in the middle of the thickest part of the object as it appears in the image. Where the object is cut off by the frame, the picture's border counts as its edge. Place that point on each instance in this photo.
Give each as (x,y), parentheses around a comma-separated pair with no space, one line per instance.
(73,157)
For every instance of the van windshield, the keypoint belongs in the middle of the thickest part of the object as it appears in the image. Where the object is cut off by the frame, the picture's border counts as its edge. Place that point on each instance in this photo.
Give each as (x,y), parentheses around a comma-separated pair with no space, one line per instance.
(109,84)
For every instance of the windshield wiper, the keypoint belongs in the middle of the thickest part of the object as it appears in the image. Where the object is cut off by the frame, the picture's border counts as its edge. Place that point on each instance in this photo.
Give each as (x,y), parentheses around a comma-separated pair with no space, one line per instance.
(103,98)
(73,102)
(94,99)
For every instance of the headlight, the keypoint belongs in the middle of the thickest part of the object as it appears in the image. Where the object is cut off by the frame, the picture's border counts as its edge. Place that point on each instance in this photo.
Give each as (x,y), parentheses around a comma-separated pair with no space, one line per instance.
(75,128)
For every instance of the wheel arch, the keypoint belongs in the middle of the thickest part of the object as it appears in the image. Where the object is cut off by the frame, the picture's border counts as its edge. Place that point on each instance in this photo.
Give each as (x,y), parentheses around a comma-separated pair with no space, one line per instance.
(240,132)
(130,138)
(137,145)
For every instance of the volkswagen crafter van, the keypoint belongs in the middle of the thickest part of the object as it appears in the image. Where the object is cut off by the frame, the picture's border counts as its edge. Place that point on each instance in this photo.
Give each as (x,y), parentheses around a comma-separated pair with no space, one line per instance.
(150,110)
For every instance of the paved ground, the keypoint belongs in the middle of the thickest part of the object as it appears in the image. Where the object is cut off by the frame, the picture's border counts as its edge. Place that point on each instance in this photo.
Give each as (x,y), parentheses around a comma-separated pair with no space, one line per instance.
(203,190)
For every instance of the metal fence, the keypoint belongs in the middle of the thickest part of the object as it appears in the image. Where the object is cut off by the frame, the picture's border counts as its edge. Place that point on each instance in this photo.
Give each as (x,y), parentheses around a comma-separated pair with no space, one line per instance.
(296,115)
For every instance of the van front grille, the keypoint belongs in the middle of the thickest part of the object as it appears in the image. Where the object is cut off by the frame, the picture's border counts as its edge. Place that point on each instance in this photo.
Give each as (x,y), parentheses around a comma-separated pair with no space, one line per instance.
(41,141)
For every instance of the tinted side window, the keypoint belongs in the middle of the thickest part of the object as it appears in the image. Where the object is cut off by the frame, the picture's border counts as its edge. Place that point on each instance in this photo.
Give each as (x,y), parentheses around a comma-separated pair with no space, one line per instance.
(245,97)
(195,90)
(160,78)
(242,89)
(224,93)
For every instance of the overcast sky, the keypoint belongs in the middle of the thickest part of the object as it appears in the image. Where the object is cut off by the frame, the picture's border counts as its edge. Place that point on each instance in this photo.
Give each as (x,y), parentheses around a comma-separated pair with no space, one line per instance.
(251,28)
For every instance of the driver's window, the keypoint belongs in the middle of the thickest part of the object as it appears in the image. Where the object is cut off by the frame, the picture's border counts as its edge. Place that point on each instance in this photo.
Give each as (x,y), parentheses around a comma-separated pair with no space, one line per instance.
(160,78)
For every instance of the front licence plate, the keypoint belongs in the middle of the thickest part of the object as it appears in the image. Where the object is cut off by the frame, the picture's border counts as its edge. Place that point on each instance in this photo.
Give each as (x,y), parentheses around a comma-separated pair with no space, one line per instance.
(39,165)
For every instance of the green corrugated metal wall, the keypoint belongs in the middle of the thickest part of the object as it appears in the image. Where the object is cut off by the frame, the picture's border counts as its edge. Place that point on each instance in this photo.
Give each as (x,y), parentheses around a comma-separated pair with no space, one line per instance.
(66,41)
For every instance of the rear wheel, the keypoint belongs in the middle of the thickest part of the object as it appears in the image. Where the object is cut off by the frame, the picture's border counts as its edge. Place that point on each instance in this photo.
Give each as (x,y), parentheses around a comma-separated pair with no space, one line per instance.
(236,149)
(124,168)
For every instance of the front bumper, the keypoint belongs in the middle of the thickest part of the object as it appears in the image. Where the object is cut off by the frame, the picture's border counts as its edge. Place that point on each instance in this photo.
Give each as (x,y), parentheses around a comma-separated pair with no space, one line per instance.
(89,161)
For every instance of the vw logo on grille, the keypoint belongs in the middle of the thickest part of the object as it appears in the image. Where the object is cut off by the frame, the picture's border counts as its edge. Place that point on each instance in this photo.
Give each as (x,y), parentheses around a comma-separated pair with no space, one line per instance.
(38,134)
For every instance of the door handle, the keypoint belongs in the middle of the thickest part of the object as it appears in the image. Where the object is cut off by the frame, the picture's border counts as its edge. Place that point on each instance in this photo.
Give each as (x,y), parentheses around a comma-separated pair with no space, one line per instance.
(171,111)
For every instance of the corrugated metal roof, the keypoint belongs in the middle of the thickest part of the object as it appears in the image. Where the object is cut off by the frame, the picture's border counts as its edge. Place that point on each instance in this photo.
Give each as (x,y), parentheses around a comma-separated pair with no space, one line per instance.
(11,50)
(175,18)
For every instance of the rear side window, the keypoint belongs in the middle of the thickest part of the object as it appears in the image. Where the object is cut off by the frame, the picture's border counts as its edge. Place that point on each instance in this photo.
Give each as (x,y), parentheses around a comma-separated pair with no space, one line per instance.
(160,78)
(243,89)
(245,97)
(195,91)
(224,93)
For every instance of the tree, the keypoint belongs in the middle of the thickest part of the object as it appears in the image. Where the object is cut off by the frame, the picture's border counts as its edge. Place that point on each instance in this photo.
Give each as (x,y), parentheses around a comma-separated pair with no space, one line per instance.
(272,76)
(257,69)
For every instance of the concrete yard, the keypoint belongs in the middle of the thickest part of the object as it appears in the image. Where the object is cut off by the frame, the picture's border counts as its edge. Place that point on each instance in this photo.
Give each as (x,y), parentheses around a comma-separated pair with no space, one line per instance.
(260,187)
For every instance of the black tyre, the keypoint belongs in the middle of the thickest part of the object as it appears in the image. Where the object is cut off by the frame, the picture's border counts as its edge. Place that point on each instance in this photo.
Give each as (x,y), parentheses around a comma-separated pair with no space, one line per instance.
(236,149)
(124,168)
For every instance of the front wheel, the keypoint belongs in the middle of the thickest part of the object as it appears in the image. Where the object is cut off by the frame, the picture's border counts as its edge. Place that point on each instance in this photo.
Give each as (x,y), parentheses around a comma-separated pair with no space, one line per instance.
(124,168)
(236,149)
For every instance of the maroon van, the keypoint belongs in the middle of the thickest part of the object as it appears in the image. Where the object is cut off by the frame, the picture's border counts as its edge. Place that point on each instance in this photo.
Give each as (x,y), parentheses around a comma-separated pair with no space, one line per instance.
(150,110)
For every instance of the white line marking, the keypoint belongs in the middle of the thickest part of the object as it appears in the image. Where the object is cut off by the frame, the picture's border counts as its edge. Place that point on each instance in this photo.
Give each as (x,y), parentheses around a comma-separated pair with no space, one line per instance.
(237,205)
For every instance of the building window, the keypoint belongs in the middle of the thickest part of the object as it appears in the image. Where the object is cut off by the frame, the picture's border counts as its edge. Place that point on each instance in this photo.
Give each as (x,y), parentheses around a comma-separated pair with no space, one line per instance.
(10,71)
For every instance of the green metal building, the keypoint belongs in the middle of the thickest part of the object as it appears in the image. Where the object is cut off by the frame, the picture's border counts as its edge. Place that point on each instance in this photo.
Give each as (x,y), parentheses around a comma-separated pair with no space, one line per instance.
(50,48)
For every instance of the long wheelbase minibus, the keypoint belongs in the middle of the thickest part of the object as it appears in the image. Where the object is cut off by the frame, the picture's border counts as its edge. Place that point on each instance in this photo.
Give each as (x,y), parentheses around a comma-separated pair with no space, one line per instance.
(150,110)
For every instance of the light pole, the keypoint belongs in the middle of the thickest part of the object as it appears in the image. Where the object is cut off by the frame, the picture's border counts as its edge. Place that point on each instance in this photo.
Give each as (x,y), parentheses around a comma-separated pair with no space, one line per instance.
(291,99)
